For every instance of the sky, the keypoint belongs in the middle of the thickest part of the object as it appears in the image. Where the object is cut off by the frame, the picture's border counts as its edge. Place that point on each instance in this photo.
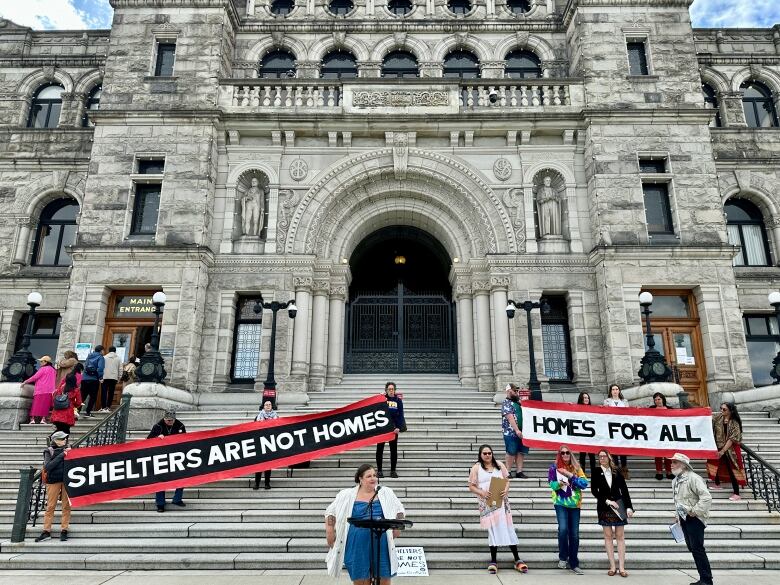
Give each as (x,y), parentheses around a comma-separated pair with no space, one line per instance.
(80,14)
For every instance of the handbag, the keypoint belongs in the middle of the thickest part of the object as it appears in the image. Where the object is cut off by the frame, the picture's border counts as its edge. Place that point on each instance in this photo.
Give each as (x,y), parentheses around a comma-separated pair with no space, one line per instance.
(61,401)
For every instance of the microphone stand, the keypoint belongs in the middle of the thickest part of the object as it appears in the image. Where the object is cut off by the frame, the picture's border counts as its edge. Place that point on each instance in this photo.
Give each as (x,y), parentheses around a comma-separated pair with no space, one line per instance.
(374,574)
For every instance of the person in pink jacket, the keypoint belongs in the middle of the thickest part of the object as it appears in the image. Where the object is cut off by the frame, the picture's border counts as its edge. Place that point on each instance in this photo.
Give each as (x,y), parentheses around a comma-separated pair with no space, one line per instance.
(44,380)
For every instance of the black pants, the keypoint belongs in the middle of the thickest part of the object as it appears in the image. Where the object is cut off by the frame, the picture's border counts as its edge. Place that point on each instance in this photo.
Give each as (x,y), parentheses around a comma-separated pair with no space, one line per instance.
(266,473)
(380,450)
(725,461)
(61,426)
(89,392)
(693,529)
(107,393)
(592,458)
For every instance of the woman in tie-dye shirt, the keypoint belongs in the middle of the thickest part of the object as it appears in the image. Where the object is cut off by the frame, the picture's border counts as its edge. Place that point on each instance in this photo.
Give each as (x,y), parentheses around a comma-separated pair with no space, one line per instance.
(567,480)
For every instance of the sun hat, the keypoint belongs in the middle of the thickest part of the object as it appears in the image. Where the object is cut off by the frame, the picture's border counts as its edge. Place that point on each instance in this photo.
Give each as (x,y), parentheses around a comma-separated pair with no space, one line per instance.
(45,359)
(684,459)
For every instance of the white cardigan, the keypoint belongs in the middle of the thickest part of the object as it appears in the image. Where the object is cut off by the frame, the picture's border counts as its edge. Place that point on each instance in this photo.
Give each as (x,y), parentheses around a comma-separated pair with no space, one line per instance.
(341,509)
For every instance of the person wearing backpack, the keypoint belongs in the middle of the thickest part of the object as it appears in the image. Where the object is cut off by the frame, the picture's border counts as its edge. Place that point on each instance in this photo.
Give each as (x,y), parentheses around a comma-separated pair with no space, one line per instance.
(66,399)
(53,476)
(111,375)
(94,366)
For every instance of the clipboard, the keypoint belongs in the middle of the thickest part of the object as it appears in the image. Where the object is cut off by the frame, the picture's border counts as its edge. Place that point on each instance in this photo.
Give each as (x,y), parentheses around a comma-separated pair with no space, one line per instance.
(677,532)
(497,486)
(620,511)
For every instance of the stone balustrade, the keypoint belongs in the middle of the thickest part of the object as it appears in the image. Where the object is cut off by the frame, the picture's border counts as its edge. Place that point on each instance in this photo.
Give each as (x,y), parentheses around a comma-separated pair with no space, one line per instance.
(378,96)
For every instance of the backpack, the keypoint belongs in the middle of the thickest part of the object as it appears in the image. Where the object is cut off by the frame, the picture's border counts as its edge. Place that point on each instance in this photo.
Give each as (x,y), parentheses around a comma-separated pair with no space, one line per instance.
(61,401)
(91,368)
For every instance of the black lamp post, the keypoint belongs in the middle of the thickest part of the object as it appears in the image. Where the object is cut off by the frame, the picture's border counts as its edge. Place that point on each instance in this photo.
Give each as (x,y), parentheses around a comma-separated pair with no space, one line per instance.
(22,364)
(653,365)
(533,382)
(274,307)
(774,300)
(152,366)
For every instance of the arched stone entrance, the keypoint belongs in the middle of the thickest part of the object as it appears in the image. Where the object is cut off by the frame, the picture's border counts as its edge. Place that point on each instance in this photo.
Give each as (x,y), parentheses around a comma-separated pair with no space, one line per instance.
(399,314)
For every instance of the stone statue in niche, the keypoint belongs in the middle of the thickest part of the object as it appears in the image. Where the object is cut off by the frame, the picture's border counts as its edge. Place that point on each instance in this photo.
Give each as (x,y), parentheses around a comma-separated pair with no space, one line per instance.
(253,209)
(548,204)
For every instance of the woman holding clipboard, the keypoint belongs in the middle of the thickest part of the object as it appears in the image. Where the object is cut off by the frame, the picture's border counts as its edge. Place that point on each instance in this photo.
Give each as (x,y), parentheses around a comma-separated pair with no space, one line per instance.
(614,508)
(494,512)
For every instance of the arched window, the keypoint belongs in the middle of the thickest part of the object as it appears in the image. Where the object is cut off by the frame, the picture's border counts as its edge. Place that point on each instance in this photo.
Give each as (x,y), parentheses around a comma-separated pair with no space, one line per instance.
(340,7)
(399,64)
(339,65)
(759,106)
(523,65)
(92,103)
(46,106)
(745,226)
(282,7)
(400,7)
(519,6)
(711,99)
(56,229)
(459,7)
(461,64)
(277,64)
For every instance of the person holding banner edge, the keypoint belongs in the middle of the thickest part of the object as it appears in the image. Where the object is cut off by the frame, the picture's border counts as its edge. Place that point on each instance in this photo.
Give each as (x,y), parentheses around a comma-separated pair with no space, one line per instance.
(567,480)
(350,546)
(614,508)
(266,413)
(512,429)
(166,427)
(615,399)
(497,520)
(396,406)
(727,428)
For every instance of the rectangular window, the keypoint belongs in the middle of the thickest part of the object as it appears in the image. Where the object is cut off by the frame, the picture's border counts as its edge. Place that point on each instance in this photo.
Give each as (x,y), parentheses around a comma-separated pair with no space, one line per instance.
(146,208)
(658,212)
(45,334)
(246,341)
(166,55)
(637,57)
(151,166)
(652,165)
(761,335)
(555,341)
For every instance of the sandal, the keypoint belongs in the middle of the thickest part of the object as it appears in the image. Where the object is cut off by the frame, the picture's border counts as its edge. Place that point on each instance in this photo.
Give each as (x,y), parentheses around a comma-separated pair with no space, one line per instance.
(521,567)
(492,568)
(624,573)
(612,572)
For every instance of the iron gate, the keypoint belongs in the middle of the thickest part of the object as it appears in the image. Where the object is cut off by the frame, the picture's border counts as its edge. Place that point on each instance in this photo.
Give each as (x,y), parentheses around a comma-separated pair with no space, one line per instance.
(400,332)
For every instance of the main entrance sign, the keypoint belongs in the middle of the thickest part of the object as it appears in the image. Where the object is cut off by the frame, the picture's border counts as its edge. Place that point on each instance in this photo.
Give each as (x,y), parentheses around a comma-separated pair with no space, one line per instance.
(400,332)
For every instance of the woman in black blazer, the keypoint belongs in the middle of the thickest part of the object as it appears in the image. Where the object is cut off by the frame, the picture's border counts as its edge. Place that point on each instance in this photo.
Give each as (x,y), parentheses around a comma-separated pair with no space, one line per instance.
(614,508)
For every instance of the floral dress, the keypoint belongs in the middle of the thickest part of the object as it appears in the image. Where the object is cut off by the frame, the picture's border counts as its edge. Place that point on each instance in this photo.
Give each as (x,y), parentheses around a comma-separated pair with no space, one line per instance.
(496,520)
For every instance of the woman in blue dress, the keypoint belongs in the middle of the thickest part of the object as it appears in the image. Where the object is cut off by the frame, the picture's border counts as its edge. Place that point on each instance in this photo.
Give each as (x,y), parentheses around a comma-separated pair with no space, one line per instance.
(351,546)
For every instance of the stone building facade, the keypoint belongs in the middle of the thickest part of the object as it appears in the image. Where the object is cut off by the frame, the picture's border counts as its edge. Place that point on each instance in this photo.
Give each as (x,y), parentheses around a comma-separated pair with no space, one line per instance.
(217,149)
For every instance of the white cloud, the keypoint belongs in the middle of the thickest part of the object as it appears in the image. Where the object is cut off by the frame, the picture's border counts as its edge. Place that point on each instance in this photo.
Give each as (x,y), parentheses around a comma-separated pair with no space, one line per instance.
(57,14)
(735,13)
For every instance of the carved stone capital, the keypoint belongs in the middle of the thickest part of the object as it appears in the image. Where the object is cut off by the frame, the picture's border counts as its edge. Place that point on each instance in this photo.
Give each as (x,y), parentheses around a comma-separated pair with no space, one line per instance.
(480,286)
(321,287)
(303,282)
(500,281)
(338,291)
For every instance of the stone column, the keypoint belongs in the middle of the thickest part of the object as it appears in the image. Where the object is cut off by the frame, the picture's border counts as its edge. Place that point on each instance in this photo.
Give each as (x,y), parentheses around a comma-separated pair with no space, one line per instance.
(26,228)
(319,328)
(466,336)
(300,354)
(369,69)
(338,296)
(484,341)
(731,109)
(502,361)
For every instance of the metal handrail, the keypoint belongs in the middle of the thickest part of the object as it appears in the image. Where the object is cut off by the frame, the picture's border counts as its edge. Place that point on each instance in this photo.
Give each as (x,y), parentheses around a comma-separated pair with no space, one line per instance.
(31,497)
(763,478)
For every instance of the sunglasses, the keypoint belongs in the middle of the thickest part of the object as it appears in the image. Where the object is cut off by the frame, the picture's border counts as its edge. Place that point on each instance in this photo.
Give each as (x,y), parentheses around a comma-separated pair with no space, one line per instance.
(487,452)
(565,452)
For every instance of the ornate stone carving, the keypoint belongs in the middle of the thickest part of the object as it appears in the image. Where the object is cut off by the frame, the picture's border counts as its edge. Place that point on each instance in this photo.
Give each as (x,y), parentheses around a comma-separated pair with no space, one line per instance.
(549,208)
(298,169)
(513,199)
(400,98)
(400,154)
(480,286)
(321,286)
(339,38)
(251,198)
(500,281)
(303,282)
(502,169)
(288,202)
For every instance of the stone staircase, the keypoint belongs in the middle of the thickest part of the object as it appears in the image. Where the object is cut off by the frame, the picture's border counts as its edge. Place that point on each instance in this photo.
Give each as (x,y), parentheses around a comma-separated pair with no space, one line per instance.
(227,525)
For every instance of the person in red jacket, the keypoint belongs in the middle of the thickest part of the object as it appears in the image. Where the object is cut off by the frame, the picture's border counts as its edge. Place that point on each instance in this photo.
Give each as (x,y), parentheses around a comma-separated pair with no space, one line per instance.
(65,418)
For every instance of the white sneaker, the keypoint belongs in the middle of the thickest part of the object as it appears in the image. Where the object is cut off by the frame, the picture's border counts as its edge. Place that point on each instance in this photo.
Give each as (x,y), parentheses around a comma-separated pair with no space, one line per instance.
(578,571)
(563,564)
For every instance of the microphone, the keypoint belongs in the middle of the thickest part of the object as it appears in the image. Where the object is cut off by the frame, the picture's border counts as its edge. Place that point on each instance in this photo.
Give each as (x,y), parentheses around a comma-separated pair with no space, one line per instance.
(371,501)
